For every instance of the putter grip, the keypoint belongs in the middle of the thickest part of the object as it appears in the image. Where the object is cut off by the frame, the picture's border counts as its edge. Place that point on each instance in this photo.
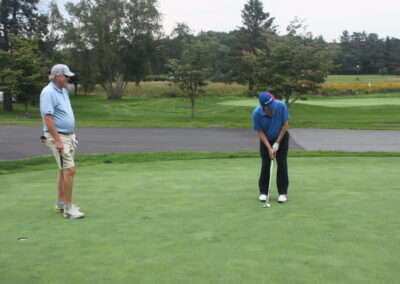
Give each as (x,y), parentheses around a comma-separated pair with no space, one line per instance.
(61,162)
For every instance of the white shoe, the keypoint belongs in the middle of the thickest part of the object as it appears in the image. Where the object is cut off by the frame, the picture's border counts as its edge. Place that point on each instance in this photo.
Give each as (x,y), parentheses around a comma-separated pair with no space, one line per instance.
(60,208)
(282,198)
(73,212)
(262,197)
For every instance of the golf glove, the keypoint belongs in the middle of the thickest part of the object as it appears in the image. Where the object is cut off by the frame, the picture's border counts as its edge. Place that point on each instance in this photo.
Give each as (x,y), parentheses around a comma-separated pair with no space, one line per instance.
(275,147)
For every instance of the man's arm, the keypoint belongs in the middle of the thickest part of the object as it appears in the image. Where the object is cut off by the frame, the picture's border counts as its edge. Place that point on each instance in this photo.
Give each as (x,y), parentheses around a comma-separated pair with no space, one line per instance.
(48,120)
(282,132)
(264,140)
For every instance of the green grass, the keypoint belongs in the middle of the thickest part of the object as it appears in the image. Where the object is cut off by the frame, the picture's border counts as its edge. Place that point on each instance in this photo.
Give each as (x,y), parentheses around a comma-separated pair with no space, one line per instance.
(96,110)
(361,78)
(336,102)
(47,162)
(198,221)
(353,102)
(352,112)
(366,112)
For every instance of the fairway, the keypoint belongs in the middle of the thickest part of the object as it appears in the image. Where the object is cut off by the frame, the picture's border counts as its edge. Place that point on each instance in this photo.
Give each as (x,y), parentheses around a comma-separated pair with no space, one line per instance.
(327,102)
(199,221)
(372,111)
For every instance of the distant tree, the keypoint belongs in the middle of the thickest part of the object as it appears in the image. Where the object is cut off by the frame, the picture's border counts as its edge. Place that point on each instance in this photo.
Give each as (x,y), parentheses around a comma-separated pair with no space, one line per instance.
(83,63)
(347,57)
(334,51)
(383,71)
(220,65)
(172,46)
(367,51)
(392,52)
(25,71)
(121,35)
(224,42)
(190,73)
(18,18)
(296,64)
(397,71)
(257,25)
(77,52)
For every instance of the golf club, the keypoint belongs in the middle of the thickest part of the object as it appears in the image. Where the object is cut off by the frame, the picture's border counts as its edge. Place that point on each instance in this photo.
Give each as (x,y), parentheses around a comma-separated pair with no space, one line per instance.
(267,205)
(62,178)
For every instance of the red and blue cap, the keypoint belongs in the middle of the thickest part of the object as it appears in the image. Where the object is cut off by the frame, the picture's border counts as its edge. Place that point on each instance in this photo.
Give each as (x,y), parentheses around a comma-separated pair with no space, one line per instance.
(267,100)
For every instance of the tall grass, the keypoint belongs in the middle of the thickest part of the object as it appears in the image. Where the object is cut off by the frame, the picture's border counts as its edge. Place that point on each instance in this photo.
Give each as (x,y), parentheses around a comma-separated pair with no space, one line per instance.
(170,90)
(361,78)
(336,85)
(341,89)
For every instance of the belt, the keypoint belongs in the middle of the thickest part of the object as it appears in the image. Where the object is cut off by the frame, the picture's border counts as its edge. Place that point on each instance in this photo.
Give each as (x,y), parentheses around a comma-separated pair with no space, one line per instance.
(63,133)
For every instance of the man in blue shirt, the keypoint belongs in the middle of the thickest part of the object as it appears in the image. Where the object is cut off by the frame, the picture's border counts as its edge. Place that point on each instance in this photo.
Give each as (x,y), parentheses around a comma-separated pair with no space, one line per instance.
(59,135)
(271,120)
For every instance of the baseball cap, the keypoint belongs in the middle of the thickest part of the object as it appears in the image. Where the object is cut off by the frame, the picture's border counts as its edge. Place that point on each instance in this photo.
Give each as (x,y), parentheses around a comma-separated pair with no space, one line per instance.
(61,69)
(267,100)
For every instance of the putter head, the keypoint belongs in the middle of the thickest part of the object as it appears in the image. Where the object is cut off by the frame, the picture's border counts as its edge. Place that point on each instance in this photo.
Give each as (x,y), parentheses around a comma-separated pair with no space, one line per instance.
(267,205)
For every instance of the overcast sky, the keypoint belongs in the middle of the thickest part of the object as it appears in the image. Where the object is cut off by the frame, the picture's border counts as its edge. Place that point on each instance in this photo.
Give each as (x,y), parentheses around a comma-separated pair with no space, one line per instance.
(326,18)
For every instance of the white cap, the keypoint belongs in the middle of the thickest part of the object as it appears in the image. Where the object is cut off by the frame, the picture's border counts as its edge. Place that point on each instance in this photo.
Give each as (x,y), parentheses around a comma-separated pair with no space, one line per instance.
(61,69)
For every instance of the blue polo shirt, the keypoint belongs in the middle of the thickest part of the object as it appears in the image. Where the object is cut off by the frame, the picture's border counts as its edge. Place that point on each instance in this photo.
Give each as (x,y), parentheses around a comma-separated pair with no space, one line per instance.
(271,125)
(56,102)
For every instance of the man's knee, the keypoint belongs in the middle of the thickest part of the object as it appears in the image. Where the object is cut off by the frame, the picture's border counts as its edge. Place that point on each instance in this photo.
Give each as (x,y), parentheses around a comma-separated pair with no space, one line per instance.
(70,171)
(282,161)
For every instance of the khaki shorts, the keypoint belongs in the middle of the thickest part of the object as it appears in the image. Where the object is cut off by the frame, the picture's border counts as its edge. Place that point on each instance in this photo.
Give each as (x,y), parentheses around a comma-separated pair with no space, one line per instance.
(70,144)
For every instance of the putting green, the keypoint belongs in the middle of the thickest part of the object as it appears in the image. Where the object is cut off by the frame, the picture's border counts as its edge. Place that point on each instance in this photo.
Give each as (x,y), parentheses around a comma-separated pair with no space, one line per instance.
(327,102)
(199,221)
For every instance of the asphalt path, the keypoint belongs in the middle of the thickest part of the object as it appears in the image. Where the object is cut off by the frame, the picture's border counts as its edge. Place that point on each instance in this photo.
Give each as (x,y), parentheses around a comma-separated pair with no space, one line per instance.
(18,142)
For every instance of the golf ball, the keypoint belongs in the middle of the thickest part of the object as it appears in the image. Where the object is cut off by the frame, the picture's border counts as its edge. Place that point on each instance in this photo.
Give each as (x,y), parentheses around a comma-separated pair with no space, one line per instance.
(267,205)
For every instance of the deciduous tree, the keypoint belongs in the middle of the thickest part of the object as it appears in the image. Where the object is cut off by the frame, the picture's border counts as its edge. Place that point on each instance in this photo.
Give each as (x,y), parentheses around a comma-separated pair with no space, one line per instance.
(18,18)
(25,69)
(191,72)
(121,34)
(296,64)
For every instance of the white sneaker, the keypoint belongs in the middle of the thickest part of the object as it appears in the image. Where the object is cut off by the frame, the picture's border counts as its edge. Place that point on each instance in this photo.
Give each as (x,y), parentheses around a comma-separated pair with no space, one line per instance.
(73,212)
(60,208)
(262,197)
(282,198)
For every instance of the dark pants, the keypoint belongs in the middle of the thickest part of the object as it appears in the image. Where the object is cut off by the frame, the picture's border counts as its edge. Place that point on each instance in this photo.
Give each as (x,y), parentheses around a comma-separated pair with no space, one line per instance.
(282,179)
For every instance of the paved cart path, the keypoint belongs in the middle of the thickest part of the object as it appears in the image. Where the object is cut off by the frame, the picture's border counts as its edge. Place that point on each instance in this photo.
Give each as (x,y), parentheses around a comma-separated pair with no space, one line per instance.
(18,142)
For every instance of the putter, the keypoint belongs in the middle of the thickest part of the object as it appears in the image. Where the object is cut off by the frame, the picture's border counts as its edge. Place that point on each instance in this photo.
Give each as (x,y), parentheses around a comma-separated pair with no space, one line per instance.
(267,205)
(62,178)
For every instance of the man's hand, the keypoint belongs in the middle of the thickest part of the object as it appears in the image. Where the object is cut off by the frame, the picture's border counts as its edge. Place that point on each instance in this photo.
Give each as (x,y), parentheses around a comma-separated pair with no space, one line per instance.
(272,154)
(60,146)
(275,147)
(48,120)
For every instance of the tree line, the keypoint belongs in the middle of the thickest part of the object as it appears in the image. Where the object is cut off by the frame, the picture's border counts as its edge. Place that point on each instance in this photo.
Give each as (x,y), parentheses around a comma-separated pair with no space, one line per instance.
(114,42)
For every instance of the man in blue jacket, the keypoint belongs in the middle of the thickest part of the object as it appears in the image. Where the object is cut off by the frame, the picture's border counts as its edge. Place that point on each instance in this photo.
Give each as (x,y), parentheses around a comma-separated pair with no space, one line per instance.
(271,120)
